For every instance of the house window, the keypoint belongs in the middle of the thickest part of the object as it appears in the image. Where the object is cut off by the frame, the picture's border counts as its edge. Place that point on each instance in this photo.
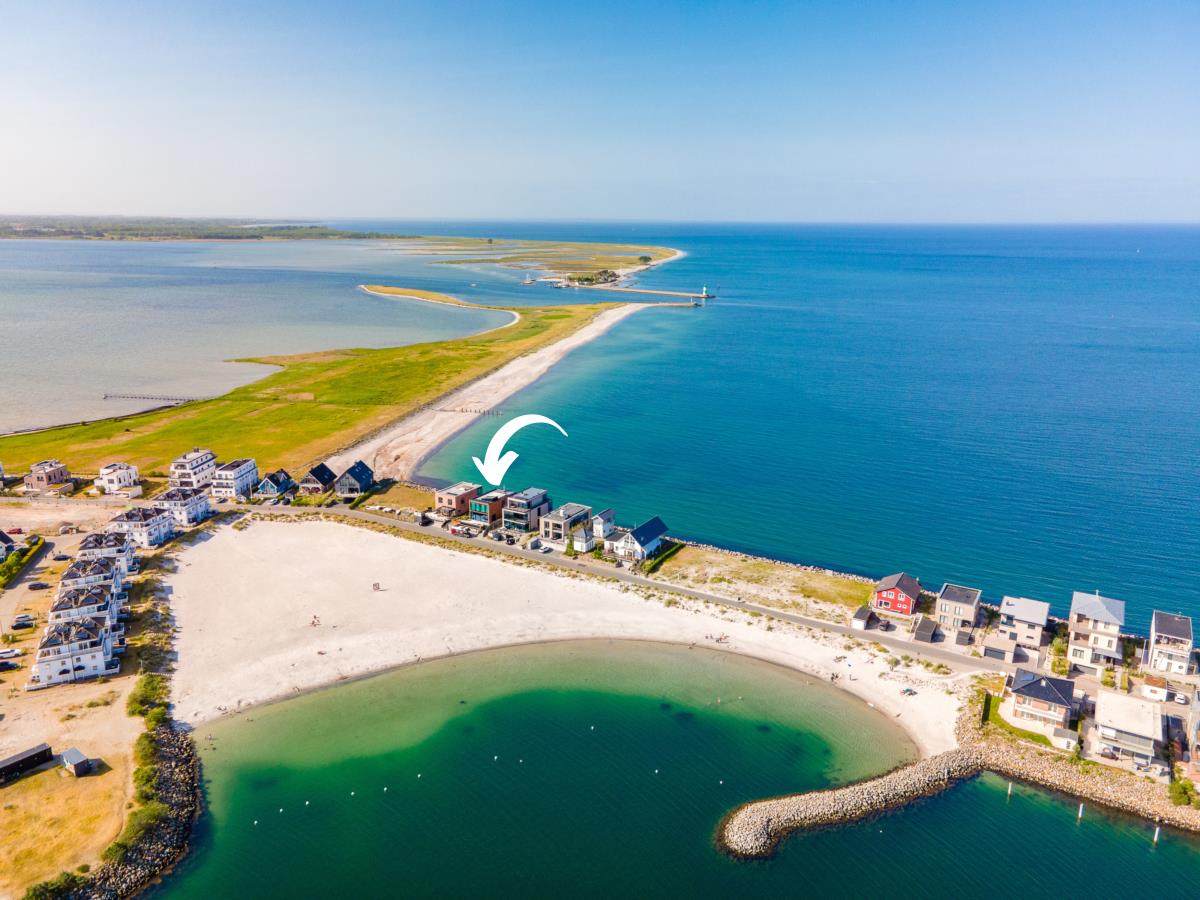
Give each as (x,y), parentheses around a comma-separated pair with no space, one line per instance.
(885,604)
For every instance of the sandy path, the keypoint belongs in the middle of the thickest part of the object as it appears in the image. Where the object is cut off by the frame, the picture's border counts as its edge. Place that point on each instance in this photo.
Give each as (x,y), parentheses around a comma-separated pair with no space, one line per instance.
(399,450)
(245,634)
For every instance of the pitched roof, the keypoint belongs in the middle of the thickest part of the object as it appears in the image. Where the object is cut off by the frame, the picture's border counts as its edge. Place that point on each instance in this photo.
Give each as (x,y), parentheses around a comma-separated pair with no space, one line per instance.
(104,540)
(278,478)
(956,593)
(1025,610)
(360,472)
(321,474)
(1129,714)
(1042,687)
(140,514)
(178,495)
(1172,625)
(83,568)
(1102,609)
(901,580)
(74,598)
(5,539)
(650,530)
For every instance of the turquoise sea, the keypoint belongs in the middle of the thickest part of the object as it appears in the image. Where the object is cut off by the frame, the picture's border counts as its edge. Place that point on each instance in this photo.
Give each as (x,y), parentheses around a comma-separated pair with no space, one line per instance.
(1012,408)
(601,769)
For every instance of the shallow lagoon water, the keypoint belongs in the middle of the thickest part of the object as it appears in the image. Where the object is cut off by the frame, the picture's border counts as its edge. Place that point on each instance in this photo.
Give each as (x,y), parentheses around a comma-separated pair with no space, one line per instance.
(532,772)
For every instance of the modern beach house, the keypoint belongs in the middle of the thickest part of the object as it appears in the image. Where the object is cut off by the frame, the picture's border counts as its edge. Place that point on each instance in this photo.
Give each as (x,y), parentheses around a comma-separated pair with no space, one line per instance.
(73,651)
(898,593)
(1023,621)
(235,479)
(187,506)
(487,509)
(957,608)
(358,479)
(559,526)
(144,525)
(119,479)
(86,573)
(1170,646)
(193,470)
(87,603)
(454,501)
(1041,699)
(524,509)
(1128,727)
(319,480)
(48,476)
(1095,632)
(117,547)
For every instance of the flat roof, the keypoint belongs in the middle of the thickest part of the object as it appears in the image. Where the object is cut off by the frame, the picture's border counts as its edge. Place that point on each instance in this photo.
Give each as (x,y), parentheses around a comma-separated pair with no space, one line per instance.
(569,511)
(957,593)
(457,490)
(1173,625)
(1129,714)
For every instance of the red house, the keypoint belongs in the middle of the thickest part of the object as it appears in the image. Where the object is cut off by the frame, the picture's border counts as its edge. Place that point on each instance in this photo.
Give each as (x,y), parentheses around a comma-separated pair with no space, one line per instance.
(897,593)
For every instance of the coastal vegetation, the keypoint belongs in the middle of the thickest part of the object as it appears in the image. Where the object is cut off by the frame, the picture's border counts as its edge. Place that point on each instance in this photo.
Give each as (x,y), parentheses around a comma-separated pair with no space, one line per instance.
(120,228)
(565,259)
(18,560)
(316,404)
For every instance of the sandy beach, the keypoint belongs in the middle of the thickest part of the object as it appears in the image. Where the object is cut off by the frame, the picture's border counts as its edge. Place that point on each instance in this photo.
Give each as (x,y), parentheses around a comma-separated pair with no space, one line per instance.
(397,451)
(249,634)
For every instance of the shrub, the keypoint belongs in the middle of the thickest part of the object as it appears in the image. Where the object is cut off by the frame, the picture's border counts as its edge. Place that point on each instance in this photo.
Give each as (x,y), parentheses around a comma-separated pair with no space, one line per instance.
(140,821)
(62,885)
(145,781)
(156,717)
(149,693)
(145,749)
(1109,677)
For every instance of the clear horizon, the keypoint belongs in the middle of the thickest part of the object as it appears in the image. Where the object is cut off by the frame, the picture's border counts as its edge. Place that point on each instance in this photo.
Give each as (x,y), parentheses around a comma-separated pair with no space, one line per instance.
(710,112)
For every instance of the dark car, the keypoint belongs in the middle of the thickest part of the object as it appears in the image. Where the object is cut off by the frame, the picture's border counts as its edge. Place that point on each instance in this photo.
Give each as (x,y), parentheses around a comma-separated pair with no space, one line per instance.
(22,623)
(61,557)
(5,665)
(38,585)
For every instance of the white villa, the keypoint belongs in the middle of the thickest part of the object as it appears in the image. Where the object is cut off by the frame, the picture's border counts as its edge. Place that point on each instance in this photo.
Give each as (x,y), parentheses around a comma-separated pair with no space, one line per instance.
(1095,632)
(119,479)
(637,545)
(187,506)
(235,479)
(86,604)
(73,651)
(1170,646)
(145,526)
(1024,620)
(1128,727)
(194,470)
(567,524)
(87,573)
(117,547)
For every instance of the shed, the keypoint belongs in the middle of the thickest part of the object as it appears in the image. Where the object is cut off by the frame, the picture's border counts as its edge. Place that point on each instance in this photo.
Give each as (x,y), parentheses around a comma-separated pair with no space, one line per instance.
(75,762)
(1064,738)
(863,618)
(1155,688)
(18,764)
(925,630)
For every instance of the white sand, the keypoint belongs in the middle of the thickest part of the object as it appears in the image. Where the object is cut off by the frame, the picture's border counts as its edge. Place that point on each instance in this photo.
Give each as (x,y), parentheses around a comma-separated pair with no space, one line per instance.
(397,451)
(243,601)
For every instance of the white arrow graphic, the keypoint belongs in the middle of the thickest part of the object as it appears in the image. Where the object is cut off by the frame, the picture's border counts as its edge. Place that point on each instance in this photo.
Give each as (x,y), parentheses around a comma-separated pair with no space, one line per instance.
(493,466)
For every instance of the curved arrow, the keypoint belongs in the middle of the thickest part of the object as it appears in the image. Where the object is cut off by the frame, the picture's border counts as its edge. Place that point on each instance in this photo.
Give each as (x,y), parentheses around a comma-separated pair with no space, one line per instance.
(493,466)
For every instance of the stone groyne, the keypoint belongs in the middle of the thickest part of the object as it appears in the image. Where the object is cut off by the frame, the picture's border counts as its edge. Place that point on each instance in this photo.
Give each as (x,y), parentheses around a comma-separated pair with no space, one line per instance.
(163,844)
(754,830)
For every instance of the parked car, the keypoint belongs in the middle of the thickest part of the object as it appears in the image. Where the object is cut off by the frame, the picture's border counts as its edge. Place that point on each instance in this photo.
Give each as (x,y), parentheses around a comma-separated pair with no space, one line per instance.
(497,536)
(286,501)
(16,531)
(61,557)
(5,665)
(1182,699)
(38,585)
(10,653)
(510,540)
(547,549)
(22,621)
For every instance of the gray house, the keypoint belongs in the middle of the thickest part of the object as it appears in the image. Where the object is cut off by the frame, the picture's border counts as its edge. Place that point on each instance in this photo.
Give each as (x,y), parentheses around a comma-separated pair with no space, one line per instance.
(358,479)
(1128,727)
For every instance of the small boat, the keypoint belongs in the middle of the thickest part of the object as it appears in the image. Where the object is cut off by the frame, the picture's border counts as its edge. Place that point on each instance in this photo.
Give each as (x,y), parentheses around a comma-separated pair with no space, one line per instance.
(529,279)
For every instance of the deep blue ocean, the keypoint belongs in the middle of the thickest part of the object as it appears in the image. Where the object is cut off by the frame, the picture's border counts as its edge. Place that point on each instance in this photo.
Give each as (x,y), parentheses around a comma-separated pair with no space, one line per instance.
(1012,408)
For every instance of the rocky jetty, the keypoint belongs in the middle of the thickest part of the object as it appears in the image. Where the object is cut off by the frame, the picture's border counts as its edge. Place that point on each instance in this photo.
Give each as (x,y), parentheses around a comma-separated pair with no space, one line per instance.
(754,830)
(163,844)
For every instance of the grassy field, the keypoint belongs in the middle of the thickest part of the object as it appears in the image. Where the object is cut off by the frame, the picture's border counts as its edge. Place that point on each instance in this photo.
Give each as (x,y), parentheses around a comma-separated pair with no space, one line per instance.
(555,257)
(316,404)
(761,580)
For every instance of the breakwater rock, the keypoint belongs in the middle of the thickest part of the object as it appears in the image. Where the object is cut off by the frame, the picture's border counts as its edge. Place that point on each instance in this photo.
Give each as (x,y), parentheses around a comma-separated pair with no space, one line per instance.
(754,830)
(156,850)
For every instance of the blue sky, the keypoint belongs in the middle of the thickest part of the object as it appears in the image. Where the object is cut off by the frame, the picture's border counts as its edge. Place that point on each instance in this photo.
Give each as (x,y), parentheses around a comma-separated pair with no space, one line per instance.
(943,112)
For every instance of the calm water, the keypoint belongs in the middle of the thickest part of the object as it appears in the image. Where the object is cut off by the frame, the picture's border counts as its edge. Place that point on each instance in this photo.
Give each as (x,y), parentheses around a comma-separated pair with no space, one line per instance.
(537,778)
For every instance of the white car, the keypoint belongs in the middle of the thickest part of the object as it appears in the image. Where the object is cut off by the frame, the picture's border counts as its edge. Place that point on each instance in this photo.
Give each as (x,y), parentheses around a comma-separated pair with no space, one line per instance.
(546,548)
(11,653)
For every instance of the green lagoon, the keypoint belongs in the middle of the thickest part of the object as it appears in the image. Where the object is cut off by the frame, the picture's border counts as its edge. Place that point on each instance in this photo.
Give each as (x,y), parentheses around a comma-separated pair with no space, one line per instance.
(602,768)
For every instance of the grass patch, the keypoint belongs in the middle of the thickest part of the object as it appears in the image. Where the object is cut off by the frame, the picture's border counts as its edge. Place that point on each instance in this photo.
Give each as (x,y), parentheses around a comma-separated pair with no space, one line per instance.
(148,694)
(653,565)
(991,715)
(316,404)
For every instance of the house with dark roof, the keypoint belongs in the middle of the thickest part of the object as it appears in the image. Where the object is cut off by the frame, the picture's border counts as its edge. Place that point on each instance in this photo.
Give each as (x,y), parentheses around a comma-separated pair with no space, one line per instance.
(86,573)
(897,593)
(957,607)
(146,526)
(274,484)
(1094,641)
(358,479)
(640,543)
(187,506)
(1040,699)
(319,480)
(73,650)
(1170,646)
(7,546)
(103,545)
